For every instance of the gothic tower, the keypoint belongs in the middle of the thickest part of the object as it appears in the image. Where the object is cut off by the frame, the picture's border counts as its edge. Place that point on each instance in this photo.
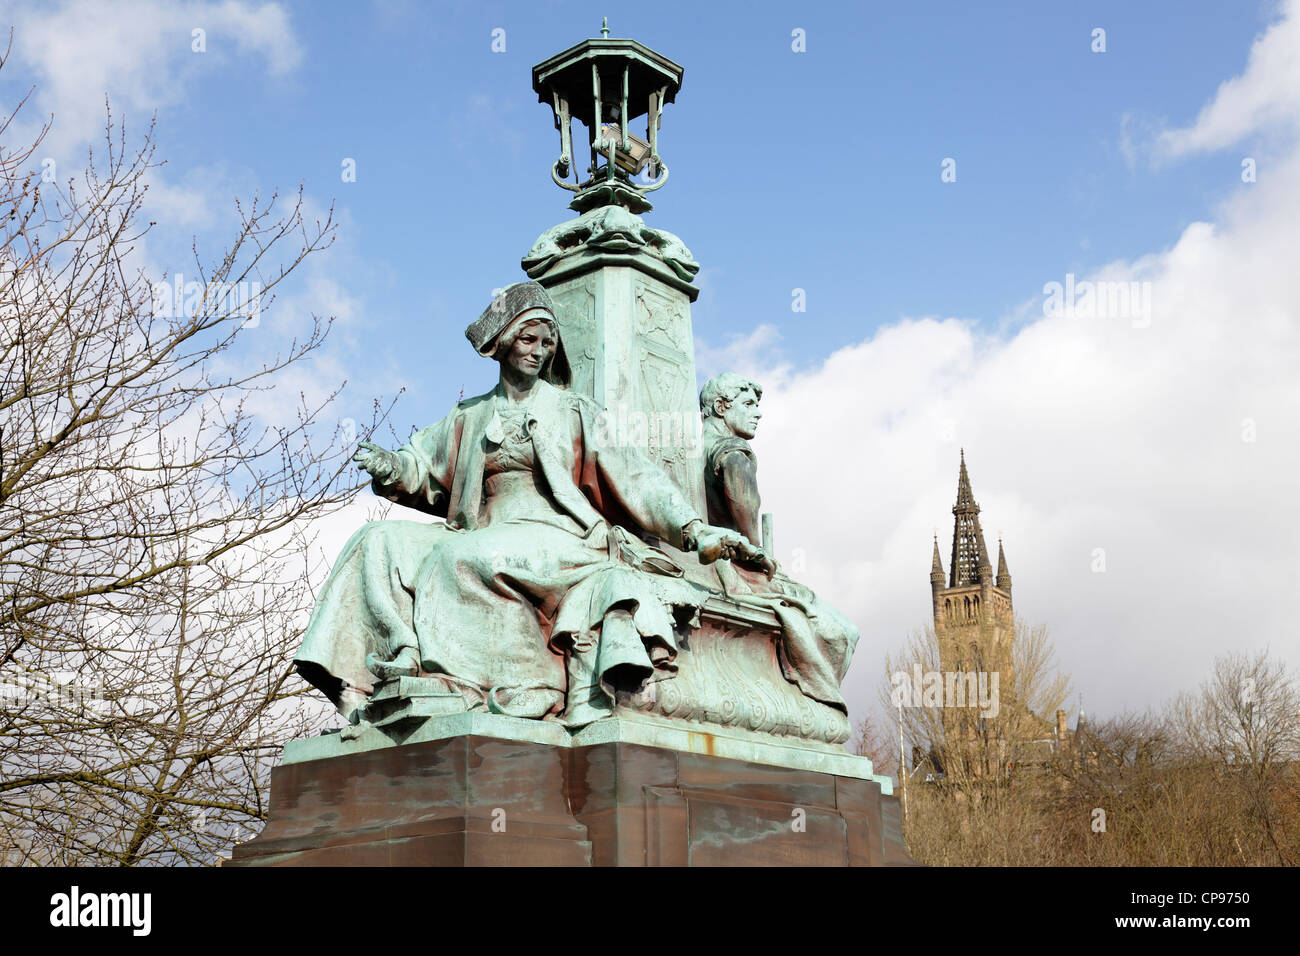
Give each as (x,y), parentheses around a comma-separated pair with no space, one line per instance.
(972,616)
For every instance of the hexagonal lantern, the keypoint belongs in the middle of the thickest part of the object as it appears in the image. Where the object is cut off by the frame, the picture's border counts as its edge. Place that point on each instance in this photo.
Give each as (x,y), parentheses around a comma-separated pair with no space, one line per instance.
(607,83)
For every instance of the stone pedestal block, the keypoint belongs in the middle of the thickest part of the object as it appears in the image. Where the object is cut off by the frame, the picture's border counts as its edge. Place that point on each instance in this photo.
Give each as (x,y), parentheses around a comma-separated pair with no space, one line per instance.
(473,800)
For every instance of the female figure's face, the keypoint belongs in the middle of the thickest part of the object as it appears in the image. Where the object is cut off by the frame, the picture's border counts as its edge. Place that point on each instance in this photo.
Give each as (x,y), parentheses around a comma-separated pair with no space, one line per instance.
(531,349)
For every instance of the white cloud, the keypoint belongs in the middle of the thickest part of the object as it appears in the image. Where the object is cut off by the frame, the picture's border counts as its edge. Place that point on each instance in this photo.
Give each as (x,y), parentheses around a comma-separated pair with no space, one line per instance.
(1080,433)
(743,354)
(136,53)
(137,57)
(1266,96)
(263,29)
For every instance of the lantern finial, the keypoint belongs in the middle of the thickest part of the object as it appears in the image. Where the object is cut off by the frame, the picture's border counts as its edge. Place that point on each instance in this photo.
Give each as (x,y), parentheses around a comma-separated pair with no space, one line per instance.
(606,84)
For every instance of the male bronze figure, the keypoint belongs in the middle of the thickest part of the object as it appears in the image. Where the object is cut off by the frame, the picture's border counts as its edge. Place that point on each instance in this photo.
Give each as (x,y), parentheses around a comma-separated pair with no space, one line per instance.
(817,639)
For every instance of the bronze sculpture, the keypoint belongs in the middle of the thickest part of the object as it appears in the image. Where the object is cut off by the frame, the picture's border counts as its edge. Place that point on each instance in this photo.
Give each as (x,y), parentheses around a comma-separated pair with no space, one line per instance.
(817,639)
(534,573)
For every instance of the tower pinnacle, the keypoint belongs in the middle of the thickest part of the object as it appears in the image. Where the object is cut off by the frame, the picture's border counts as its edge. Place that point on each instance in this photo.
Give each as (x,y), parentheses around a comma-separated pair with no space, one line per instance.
(969,553)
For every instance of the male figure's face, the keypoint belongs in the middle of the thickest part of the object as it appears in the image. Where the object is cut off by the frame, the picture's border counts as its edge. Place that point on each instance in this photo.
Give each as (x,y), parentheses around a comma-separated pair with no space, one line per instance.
(741,414)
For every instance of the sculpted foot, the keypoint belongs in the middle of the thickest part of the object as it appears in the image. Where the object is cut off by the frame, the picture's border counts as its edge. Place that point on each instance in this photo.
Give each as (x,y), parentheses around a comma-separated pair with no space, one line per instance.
(581,714)
(405,664)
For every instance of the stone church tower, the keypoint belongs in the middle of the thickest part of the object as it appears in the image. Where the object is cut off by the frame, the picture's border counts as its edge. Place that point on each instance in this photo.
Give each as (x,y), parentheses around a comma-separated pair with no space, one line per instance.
(972,615)
(975,627)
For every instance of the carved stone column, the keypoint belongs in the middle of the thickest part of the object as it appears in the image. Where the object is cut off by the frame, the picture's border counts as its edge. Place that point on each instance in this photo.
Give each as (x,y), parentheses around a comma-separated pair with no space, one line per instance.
(623,301)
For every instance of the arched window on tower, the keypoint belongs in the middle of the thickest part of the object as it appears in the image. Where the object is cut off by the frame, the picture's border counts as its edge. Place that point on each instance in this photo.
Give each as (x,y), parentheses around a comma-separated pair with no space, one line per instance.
(967,600)
(975,604)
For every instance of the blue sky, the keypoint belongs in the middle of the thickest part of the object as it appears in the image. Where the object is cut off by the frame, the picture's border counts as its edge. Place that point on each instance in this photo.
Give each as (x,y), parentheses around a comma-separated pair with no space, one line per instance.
(820,171)
(816,170)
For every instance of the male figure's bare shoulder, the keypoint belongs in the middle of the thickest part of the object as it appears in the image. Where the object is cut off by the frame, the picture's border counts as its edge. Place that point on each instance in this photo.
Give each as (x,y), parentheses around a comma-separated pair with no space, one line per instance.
(719,451)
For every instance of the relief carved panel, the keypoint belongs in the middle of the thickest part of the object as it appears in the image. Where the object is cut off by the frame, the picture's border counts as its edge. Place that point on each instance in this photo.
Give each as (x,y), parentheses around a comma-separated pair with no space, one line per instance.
(664,353)
(575,309)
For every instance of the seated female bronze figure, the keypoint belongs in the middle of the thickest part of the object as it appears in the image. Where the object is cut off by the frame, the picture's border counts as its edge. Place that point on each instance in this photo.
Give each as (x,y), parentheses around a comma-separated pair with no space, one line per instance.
(532,599)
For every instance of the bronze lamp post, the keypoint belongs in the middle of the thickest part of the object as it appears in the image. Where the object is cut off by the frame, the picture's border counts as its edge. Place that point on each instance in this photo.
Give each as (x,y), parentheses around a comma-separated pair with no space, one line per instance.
(607,84)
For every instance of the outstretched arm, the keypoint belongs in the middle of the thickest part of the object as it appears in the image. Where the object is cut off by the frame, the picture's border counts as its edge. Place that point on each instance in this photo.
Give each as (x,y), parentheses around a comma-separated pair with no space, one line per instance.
(380,463)
(418,474)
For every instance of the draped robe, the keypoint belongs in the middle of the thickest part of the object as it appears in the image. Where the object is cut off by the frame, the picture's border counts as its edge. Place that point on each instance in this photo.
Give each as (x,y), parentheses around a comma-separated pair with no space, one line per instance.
(818,640)
(492,605)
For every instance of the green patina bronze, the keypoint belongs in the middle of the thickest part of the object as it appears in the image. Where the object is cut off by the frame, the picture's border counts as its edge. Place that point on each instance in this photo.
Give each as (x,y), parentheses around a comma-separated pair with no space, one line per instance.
(538,561)
(601,561)
(817,640)
(606,84)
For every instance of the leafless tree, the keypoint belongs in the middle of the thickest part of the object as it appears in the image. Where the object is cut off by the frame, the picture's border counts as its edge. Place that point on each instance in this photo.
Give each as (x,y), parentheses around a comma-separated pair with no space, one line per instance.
(1211,780)
(870,742)
(1244,725)
(152,529)
(975,748)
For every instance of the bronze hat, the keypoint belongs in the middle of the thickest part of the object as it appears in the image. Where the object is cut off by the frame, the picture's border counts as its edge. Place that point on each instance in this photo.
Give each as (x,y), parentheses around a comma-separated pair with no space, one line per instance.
(508,305)
(511,303)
